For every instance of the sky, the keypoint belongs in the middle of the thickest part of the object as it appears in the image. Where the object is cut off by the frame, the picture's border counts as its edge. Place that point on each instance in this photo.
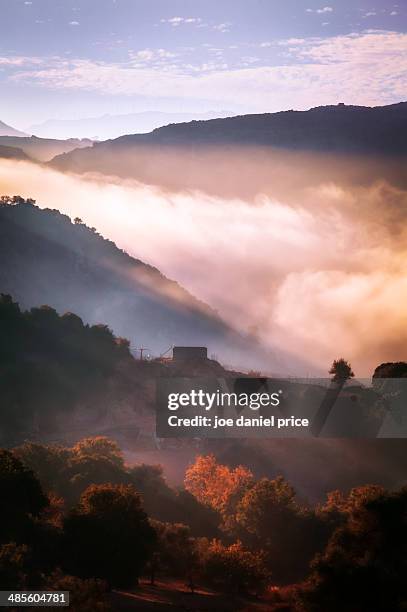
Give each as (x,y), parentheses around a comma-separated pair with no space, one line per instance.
(69,59)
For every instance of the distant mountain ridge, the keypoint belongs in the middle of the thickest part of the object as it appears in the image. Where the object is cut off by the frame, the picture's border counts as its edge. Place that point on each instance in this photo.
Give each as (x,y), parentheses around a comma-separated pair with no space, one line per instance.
(380,129)
(191,155)
(7,130)
(340,128)
(41,149)
(113,126)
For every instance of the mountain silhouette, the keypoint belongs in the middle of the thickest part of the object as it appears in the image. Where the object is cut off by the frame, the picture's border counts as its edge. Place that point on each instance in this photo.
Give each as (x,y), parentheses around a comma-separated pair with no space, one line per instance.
(218,154)
(7,130)
(340,128)
(47,259)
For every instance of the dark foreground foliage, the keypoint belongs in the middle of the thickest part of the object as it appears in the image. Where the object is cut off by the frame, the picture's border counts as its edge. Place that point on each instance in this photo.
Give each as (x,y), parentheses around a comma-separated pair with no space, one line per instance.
(49,363)
(349,553)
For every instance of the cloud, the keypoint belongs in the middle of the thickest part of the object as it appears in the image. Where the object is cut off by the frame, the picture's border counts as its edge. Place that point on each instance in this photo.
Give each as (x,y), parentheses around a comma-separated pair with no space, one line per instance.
(321,11)
(177,21)
(222,27)
(151,56)
(74,23)
(370,14)
(21,61)
(323,262)
(247,60)
(146,54)
(367,68)
(292,41)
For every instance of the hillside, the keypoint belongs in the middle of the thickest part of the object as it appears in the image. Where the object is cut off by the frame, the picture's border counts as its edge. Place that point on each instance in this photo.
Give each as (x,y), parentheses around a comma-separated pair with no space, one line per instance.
(41,149)
(47,259)
(7,130)
(53,365)
(327,128)
(217,154)
(341,128)
(13,153)
(65,378)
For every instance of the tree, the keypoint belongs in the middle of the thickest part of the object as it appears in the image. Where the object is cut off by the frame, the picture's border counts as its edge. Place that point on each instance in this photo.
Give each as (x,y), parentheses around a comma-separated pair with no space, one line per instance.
(84,595)
(108,535)
(232,568)
(100,447)
(47,462)
(341,370)
(200,518)
(174,549)
(67,472)
(365,562)
(216,485)
(51,364)
(22,523)
(13,566)
(339,507)
(269,518)
(22,499)
(268,500)
(12,330)
(397,369)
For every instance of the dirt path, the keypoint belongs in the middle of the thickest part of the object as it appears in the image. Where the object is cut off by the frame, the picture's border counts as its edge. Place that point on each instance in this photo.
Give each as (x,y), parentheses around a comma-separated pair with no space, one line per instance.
(175,596)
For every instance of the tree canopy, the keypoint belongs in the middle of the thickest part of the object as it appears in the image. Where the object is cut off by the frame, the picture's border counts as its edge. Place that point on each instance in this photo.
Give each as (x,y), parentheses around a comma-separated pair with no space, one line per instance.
(341,371)
(108,535)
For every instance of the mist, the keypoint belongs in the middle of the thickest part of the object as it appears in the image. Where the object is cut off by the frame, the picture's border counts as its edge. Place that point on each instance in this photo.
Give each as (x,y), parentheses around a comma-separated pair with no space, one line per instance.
(308,253)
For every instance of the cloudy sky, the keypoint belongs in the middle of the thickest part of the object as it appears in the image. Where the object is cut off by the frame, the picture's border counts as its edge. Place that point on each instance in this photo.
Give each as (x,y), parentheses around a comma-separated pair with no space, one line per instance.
(70,59)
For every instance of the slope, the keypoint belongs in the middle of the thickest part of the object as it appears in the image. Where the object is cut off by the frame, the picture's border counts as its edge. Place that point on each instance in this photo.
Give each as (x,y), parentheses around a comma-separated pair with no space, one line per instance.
(47,259)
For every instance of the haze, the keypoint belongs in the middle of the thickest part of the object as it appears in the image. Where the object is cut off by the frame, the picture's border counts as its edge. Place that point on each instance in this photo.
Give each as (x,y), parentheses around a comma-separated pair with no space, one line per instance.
(316,267)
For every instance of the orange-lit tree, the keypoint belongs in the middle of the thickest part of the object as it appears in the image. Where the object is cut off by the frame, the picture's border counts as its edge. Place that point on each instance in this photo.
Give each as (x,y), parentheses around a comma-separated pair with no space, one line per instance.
(216,485)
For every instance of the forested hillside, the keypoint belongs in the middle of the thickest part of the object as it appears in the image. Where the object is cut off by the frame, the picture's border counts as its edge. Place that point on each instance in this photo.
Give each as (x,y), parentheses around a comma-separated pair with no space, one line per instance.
(61,379)
(48,259)
(52,366)
(253,154)
(326,128)
(80,519)
(337,129)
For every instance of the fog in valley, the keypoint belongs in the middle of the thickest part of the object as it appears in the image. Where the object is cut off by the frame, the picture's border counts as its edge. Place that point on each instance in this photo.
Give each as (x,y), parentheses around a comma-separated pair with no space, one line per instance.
(306,252)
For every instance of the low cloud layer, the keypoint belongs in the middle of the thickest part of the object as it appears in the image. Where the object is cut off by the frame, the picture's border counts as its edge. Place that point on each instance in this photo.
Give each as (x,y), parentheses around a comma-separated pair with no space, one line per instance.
(319,270)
